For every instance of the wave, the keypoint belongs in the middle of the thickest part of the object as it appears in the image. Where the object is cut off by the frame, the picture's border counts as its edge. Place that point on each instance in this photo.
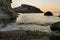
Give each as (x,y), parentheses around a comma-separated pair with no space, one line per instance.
(32,22)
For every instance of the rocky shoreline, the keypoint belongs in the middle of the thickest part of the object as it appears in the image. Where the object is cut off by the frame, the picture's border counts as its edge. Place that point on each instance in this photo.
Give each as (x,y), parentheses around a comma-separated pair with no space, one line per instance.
(24,35)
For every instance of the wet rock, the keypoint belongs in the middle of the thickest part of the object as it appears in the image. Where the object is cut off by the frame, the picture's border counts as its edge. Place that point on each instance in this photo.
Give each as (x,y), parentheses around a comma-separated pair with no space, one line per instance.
(7,14)
(48,13)
(6,7)
(55,27)
(24,8)
(55,36)
(23,35)
(59,16)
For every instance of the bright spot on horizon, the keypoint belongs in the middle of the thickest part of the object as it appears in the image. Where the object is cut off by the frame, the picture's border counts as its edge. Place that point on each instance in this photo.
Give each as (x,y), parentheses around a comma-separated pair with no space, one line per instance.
(44,5)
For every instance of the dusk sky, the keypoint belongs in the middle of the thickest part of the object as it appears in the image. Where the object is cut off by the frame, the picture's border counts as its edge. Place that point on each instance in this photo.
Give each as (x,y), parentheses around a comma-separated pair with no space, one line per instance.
(44,5)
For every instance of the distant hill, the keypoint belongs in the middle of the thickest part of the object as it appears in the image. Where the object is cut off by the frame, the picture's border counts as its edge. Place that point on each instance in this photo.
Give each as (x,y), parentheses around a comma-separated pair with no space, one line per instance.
(24,8)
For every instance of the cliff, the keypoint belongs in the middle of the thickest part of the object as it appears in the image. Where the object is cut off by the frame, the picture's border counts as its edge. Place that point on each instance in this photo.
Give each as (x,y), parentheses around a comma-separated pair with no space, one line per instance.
(7,14)
(6,9)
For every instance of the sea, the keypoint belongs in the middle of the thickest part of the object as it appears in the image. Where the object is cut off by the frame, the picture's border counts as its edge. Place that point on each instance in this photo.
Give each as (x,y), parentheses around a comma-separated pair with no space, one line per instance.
(32,21)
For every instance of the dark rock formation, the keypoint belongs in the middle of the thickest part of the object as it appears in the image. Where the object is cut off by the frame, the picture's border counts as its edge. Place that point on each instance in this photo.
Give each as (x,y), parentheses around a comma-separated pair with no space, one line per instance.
(6,12)
(55,36)
(24,35)
(6,7)
(24,8)
(48,13)
(59,16)
(55,27)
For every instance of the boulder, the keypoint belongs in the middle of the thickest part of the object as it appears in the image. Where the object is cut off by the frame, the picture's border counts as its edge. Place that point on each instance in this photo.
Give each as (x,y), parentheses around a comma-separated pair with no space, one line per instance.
(7,14)
(55,36)
(48,13)
(55,27)
(24,8)
(59,16)
(5,6)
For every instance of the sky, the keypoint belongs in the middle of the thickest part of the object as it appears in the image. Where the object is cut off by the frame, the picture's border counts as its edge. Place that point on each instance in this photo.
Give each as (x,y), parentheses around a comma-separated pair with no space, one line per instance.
(44,5)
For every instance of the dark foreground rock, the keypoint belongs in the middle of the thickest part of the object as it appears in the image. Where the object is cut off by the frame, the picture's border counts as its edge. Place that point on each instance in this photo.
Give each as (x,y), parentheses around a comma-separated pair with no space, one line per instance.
(55,36)
(7,14)
(5,6)
(48,13)
(55,27)
(24,8)
(24,35)
(29,35)
(59,16)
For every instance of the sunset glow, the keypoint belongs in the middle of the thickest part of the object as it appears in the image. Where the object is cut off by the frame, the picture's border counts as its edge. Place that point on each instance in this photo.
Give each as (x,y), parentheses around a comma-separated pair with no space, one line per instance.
(44,5)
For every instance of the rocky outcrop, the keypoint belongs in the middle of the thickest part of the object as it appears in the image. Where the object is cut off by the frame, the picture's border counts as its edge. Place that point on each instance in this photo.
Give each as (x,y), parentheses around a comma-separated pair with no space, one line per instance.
(55,36)
(6,12)
(48,13)
(55,26)
(24,35)
(24,8)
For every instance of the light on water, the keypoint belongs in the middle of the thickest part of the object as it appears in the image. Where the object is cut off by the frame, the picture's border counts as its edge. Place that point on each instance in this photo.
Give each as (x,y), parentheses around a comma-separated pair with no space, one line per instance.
(32,22)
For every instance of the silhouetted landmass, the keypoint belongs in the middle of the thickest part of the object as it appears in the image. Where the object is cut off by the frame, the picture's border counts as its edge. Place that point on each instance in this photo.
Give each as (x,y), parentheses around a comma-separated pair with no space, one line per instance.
(48,13)
(24,8)
(7,14)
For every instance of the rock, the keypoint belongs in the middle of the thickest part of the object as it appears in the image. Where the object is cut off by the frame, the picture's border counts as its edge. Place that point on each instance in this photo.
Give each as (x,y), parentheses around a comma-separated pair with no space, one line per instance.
(7,14)
(48,13)
(55,27)
(4,20)
(55,36)
(59,16)
(6,7)
(23,35)
(24,8)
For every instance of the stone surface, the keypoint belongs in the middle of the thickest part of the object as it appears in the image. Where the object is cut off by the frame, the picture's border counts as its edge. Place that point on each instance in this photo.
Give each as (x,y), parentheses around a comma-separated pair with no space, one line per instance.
(6,12)
(24,35)
(55,36)
(59,16)
(55,27)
